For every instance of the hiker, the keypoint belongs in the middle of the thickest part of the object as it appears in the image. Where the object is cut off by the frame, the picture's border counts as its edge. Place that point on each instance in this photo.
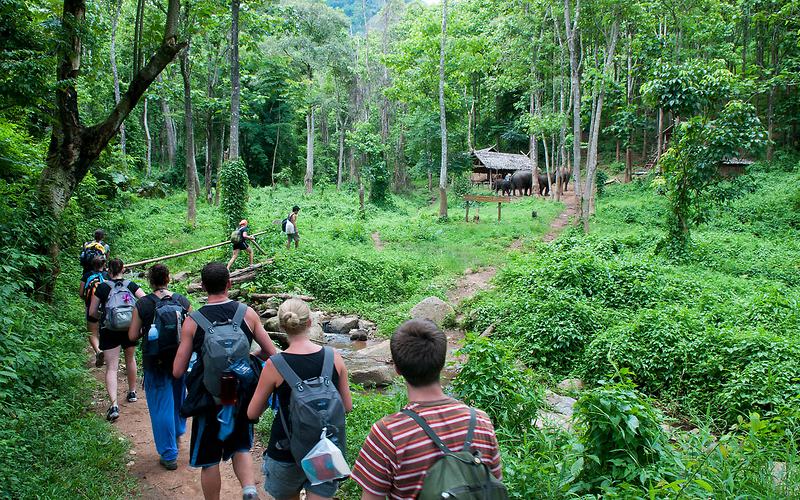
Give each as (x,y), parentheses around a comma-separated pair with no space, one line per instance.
(206,447)
(94,248)
(291,228)
(397,453)
(163,311)
(240,236)
(89,283)
(284,477)
(113,305)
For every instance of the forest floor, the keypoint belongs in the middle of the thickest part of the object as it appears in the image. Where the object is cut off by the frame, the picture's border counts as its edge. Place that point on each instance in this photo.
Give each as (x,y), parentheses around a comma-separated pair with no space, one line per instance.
(157,483)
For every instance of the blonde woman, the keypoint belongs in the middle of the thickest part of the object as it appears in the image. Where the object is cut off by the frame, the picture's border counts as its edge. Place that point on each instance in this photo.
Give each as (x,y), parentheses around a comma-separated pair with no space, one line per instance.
(284,478)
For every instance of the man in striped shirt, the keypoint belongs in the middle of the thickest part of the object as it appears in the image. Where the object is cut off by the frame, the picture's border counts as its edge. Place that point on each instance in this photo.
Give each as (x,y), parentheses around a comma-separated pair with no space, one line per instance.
(397,453)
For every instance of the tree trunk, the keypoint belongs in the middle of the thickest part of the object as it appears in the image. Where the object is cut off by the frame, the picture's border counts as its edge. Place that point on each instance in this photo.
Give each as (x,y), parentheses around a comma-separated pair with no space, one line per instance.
(235,81)
(308,180)
(275,154)
(533,142)
(220,159)
(74,147)
(169,128)
(547,168)
(148,139)
(209,156)
(575,78)
(191,167)
(113,59)
(340,148)
(443,119)
(401,179)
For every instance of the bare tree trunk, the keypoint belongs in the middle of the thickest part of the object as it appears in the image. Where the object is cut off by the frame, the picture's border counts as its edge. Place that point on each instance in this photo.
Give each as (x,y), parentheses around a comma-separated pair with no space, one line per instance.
(209,156)
(340,148)
(442,119)
(220,159)
(308,180)
(401,181)
(148,139)
(659,136)
(113,59)
(235,81)
(169,128)
(547,168)
(533,142)
(191,166)
(275,154)
(575,76)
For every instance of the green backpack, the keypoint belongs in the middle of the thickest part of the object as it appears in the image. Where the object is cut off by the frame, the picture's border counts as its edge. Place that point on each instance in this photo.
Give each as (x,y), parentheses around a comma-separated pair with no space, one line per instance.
(458,475)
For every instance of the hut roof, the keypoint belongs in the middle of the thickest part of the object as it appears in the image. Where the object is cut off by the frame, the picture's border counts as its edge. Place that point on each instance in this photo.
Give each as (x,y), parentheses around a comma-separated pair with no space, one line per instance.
(490,159)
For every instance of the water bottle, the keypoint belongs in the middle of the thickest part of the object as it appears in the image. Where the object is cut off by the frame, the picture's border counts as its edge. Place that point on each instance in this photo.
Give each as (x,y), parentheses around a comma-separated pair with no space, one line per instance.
(152,340)
(227,388)
(192,361)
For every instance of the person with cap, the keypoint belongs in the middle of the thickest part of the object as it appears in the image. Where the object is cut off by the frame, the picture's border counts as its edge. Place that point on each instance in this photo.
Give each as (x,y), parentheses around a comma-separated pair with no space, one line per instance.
(242,244)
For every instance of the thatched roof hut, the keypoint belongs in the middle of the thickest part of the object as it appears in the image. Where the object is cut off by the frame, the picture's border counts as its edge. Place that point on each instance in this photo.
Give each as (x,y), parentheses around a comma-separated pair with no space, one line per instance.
(490,163)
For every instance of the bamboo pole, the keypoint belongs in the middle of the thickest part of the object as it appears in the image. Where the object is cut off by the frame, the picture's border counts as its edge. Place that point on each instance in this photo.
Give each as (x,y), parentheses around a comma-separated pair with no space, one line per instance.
(150,261)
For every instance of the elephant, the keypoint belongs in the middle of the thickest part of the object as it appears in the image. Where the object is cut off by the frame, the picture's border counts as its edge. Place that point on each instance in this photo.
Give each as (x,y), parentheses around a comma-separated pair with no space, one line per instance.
(566,175)
(504,186)
(544,185)
(522,180)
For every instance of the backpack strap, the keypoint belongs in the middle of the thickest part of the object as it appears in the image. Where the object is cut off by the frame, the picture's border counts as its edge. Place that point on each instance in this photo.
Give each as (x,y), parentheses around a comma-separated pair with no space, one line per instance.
(286,372)
(327,363)
(208,327)
(431,434)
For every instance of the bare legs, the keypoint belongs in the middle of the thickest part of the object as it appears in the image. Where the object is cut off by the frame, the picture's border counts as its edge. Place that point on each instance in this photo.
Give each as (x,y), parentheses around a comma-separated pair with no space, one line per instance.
(236,254)
(112,366)
(242,466)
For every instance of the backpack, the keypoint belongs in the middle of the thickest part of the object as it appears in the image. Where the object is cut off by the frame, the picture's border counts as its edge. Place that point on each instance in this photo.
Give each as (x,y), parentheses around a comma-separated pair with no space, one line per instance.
(92,282)
(224,344)
(236,236)
(168,318)
(314,404)
(461,474)
(283,224)
(118,309)
(91,250)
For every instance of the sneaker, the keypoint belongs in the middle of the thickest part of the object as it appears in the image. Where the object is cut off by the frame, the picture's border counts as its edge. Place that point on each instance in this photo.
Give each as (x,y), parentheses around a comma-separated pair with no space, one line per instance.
(132,397)
(99,359)
(168,464)
(250,496)
(113,414)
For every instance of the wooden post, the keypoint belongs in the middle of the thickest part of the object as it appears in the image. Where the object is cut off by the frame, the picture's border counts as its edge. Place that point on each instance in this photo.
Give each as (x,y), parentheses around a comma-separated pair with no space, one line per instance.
(499,206)
(466,217)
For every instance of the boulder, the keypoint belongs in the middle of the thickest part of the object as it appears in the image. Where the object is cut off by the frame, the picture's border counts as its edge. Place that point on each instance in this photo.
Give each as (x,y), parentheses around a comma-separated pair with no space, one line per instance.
(376,376)
(366,325)
(571,384)
(561,404)
(315,333)
(432,308)
(268,313)
(358,334)
(180,277)
(342,325)
(271,324)
(380,351)
(281,338)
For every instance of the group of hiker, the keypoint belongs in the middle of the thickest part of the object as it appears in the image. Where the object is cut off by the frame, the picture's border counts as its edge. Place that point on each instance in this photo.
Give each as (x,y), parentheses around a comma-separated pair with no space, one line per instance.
(200,364)
(240,236)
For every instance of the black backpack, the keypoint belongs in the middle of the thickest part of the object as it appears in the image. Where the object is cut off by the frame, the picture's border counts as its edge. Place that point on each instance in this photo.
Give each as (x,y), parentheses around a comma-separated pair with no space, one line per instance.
(168,318)
(283,224)
(91,250)
(461,474)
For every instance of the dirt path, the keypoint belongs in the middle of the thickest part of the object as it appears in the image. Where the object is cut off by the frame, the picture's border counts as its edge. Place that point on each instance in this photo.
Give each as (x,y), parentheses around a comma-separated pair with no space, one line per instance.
(157,483)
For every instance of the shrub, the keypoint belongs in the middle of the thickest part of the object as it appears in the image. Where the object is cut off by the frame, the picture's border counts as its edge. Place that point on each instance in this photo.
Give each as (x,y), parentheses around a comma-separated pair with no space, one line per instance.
(234,185)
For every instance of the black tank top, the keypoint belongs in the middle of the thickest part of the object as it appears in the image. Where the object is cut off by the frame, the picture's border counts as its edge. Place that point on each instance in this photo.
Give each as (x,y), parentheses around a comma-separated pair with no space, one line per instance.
(306,366)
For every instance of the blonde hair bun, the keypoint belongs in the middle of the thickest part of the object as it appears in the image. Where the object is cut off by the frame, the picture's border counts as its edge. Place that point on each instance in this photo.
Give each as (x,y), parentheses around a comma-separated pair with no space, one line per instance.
(293,315)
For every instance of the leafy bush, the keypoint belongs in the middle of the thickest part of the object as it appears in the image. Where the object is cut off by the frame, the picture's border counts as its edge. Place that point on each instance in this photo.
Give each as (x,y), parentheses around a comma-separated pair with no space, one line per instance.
(234,185)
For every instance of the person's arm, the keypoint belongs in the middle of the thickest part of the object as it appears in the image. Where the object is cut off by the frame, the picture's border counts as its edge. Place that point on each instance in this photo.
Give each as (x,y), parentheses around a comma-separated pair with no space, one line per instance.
(184,353)
(344,382)
(94,307)
(139,293)
(269,380)
(247,236)
(135,330)
(82,290)
(260,335)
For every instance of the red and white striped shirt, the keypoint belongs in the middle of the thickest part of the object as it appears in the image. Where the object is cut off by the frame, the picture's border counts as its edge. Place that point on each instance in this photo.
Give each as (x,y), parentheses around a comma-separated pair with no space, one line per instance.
(397,453)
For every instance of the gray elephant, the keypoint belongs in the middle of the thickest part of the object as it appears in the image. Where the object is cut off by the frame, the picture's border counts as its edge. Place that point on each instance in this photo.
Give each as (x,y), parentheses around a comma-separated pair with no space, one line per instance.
(503,186)
(566,175)
(544,183)
(522,180)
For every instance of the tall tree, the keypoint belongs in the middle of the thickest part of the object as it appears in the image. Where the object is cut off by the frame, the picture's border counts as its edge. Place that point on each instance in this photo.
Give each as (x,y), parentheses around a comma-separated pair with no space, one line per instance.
(235,81)
(74,147)
(191,165)
(443,119)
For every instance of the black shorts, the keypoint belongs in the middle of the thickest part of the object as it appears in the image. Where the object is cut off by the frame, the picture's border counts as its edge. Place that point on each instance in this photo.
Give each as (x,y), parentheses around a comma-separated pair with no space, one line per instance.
(242,245)
(109,339)
(207,449)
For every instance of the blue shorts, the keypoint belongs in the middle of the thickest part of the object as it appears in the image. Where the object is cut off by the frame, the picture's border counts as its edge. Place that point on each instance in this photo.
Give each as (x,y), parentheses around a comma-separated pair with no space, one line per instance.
(285,480)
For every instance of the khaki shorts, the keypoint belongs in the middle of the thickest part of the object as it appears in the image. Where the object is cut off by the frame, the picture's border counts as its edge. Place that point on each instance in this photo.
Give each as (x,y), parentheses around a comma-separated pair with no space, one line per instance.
(292,237)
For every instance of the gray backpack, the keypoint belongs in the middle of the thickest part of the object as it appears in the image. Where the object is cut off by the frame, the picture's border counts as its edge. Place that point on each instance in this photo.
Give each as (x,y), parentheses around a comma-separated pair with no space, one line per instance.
(314,404)
(118,309)
(224,344)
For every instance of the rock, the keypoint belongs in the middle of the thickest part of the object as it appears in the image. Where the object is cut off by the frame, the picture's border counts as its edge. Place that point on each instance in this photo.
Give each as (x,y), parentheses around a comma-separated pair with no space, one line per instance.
(562,404)
(271,324)
(233,294)
(281,338)
(271,304)
(380,351)
(571,384)
(358,334)
(269,313)
(366,325)
(342,325)
(315,333)
(180,277)
(376,376)
(432,308)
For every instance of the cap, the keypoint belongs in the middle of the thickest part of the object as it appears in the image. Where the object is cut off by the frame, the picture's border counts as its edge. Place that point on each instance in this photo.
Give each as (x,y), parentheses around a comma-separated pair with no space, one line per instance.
(243,222)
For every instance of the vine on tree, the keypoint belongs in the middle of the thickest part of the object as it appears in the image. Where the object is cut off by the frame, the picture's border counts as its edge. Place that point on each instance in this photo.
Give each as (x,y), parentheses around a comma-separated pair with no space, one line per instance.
(234,184)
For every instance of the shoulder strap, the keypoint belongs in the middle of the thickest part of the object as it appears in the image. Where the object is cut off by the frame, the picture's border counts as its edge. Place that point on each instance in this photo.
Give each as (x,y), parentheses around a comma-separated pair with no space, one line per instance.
(431,434)
(239,316)
(327,362)
(286,372)
(201,321)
